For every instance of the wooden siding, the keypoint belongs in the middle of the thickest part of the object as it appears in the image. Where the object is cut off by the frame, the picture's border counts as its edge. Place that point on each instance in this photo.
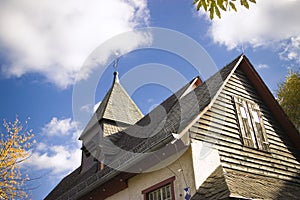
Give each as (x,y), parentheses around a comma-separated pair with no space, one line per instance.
(220,127)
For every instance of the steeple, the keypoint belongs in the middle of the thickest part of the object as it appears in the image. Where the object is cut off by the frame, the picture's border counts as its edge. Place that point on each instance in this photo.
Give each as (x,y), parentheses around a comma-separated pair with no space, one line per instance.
(118,106)
(116,112)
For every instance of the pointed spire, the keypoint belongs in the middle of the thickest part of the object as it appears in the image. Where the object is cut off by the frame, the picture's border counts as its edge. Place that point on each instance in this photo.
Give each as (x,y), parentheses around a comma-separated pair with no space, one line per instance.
(117,105)
(116,77)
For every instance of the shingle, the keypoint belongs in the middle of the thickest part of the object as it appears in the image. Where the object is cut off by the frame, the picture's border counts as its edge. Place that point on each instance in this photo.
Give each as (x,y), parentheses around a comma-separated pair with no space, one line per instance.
(118,106)
(173,115)
(214,187)
(254,186)
(169,117)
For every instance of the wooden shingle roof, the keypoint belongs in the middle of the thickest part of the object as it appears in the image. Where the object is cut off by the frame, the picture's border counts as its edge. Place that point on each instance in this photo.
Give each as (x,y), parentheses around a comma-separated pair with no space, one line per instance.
(118,106)
(154,131)
(231,184)
(172,116)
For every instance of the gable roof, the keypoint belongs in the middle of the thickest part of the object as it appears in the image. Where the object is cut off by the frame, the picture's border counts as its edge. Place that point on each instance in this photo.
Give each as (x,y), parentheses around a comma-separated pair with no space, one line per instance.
(72,182)
(176,115)
(173,116)
(176,118)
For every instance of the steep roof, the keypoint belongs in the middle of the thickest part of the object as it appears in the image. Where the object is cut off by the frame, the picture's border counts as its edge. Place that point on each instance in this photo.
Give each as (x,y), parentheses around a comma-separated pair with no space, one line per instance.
(165,119)
(116,106)
(73,181)
(176,115)
(227,184)
(214,187)
(172,116)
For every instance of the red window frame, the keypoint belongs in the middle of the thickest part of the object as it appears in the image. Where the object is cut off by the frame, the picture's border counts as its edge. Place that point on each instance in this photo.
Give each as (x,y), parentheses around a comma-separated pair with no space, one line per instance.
(159,185)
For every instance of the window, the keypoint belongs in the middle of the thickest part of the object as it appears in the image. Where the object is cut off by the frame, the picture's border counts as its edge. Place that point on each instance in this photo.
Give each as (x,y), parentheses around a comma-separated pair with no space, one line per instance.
(163,193)
(160,191)
(251,124)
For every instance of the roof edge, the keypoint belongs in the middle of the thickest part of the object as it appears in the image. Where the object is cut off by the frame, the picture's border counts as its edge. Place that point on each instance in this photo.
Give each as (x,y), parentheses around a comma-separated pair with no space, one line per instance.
(268,98)
(185,130)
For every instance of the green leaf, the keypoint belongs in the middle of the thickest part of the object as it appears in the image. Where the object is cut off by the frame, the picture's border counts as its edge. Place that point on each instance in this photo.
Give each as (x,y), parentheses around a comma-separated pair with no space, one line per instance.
(232,6)
(199,5)
(211,12)
(218,12)
(204,4)
(245,3)
(253,1)
(221,4)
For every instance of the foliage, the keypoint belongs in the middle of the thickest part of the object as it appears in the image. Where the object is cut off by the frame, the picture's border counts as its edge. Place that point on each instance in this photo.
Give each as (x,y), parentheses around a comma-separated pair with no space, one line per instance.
(15,143)
(288,94)
(214,6)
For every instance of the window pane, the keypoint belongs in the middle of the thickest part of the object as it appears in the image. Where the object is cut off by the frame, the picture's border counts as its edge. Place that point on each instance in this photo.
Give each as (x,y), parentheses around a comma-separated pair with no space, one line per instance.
(159,194)
(168,191)
(151,196)
(163,193)
(243,112)
(255,116)
(251,124)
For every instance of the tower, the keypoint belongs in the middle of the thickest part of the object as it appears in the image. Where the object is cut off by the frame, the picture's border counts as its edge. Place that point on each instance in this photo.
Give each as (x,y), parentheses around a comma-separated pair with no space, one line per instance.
(116,112)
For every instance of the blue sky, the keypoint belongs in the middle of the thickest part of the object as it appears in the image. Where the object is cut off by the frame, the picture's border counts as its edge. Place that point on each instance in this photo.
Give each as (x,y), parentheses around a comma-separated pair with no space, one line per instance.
(44,44)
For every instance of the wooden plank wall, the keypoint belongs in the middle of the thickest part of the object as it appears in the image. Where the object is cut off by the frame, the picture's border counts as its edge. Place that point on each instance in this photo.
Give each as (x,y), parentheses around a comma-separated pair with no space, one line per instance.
(219,126)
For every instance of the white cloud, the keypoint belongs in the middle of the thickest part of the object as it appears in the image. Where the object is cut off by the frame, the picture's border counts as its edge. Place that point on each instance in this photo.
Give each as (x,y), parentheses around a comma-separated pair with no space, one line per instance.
(291,49)
(41,146)
(57,158)
(88,108)
(268,23)
(60,127)
(262,66)
(54,38)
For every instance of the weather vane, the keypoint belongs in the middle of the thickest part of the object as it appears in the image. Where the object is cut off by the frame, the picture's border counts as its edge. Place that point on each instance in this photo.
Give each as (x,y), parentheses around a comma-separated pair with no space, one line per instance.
(116,61)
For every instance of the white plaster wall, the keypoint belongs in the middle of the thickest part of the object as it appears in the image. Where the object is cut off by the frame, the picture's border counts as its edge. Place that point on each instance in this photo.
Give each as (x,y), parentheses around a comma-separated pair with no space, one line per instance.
(143,181)
(205,160)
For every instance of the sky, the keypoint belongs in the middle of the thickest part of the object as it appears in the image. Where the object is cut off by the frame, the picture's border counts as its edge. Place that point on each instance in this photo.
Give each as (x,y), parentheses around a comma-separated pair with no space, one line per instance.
(47,49)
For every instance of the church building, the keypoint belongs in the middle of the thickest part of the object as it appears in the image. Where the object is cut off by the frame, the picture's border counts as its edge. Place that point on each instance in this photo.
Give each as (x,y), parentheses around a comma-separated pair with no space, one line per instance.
(223,138)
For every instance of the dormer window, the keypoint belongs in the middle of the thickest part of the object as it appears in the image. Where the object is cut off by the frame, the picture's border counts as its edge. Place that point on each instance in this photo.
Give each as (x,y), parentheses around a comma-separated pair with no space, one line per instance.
(251,124)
